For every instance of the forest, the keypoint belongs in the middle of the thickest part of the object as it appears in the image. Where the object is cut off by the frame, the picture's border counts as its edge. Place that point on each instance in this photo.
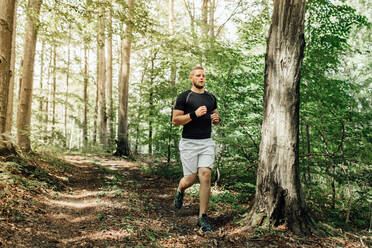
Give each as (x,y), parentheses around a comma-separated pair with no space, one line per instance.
(89,156)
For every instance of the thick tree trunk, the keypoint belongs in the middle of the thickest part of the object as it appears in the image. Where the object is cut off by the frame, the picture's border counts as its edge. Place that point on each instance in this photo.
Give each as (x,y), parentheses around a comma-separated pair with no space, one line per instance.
(9,110)
(86,81)
(101,78)
(279,197)
(110,111)
(123,136)
(25,101)
(6,35)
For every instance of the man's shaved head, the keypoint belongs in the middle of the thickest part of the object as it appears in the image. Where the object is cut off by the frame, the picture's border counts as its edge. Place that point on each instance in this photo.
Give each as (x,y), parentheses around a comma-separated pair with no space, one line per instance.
(196,68)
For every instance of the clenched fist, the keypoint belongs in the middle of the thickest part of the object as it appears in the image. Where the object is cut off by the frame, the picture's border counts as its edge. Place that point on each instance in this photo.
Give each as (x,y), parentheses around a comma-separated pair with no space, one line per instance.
(215,118)
(201,111)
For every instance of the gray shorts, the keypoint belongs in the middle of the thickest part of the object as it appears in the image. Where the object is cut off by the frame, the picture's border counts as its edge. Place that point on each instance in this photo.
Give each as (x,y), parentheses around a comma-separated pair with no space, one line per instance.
(196,153)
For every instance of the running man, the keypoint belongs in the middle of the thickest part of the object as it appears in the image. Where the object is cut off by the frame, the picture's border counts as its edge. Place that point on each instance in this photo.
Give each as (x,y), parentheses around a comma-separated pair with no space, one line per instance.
(196,110)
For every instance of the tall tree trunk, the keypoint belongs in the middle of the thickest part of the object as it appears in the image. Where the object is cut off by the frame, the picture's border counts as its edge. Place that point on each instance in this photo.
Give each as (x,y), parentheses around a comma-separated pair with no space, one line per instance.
(67,85)
(308,152)
(172,79)
(151,107)
(41,78)
(171,16)
(54,90)
(9,110)
(212,7)
(86,81)
(279,197)
(123,135)
(204,22)
(46,113)
(6,34)
(25,101)
(101,78)
(110,111)
(95,117)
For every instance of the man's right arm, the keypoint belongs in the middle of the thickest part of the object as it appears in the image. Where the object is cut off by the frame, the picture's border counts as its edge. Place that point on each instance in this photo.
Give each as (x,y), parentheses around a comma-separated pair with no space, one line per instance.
(179,118)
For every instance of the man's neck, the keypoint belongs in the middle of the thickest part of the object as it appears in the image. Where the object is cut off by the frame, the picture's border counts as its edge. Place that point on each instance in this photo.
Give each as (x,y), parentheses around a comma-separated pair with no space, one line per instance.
(196,90)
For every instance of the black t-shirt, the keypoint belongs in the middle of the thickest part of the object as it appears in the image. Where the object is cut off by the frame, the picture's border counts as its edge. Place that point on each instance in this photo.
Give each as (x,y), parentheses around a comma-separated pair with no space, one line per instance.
(190,101)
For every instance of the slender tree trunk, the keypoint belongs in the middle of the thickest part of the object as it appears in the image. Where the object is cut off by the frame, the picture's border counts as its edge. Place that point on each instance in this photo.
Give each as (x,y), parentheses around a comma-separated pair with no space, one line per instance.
(172,79)
(101,78)
(54,90)
(46,118)
(9,112)
(67,85)
(24,107)
(308,152)
(279,197)
(96,109)
(86,81)
(204,26)
(151,107)
(110,111)
(41,78)
(211,17)
(123,147)
(333,185)
(6,34)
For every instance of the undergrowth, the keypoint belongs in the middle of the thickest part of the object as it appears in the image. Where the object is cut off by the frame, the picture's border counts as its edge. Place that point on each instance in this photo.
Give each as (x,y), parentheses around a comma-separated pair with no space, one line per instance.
(25,174)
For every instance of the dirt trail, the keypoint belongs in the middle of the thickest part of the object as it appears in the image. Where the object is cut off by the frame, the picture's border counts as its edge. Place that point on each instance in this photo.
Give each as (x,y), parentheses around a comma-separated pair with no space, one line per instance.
(111,203)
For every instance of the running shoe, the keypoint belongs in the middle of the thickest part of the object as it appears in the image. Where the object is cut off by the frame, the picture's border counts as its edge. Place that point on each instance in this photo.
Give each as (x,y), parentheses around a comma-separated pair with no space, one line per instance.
(203,223)
(178,200)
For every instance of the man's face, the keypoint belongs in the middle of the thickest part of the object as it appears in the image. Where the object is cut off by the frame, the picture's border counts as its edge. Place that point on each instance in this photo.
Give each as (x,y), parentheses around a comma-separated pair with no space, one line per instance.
(198,78)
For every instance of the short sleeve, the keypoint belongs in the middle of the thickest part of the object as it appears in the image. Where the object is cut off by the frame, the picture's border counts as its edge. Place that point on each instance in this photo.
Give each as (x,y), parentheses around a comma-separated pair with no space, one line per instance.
(215,102)
(180,102)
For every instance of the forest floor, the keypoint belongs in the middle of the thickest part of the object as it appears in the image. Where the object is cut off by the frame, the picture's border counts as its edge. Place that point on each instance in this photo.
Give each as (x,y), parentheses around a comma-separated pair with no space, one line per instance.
(109,202)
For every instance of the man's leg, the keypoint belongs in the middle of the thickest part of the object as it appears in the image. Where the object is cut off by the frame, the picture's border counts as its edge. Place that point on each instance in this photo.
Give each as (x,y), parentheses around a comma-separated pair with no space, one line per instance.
(204,174)
(186,182)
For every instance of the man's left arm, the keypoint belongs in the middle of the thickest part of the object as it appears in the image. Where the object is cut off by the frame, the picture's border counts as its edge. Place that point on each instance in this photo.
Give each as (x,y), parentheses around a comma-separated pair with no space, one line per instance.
(215,117)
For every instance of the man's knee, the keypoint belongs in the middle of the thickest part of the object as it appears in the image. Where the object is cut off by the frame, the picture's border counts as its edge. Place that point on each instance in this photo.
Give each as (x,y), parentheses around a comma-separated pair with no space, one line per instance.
(204,175)
(190,179)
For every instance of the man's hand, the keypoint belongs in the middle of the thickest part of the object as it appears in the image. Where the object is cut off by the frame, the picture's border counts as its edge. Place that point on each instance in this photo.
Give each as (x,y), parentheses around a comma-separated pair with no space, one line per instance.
(201,111)
(215,118)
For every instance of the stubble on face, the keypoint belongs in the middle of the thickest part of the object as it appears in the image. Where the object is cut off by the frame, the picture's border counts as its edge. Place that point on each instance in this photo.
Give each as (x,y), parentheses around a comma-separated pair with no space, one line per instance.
(198,79)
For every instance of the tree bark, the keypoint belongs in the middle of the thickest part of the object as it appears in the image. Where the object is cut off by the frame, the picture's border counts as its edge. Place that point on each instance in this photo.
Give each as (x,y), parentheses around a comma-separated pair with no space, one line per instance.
(110,118)
(204,27)
(211,17)
(123,136)
(279,197)
(67,85)
(41,78)
(172,79)
(9,110)
(54,91)
(101,78)
(46,119)
(6,35)
(24,106)
(86,81)
(308,152)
